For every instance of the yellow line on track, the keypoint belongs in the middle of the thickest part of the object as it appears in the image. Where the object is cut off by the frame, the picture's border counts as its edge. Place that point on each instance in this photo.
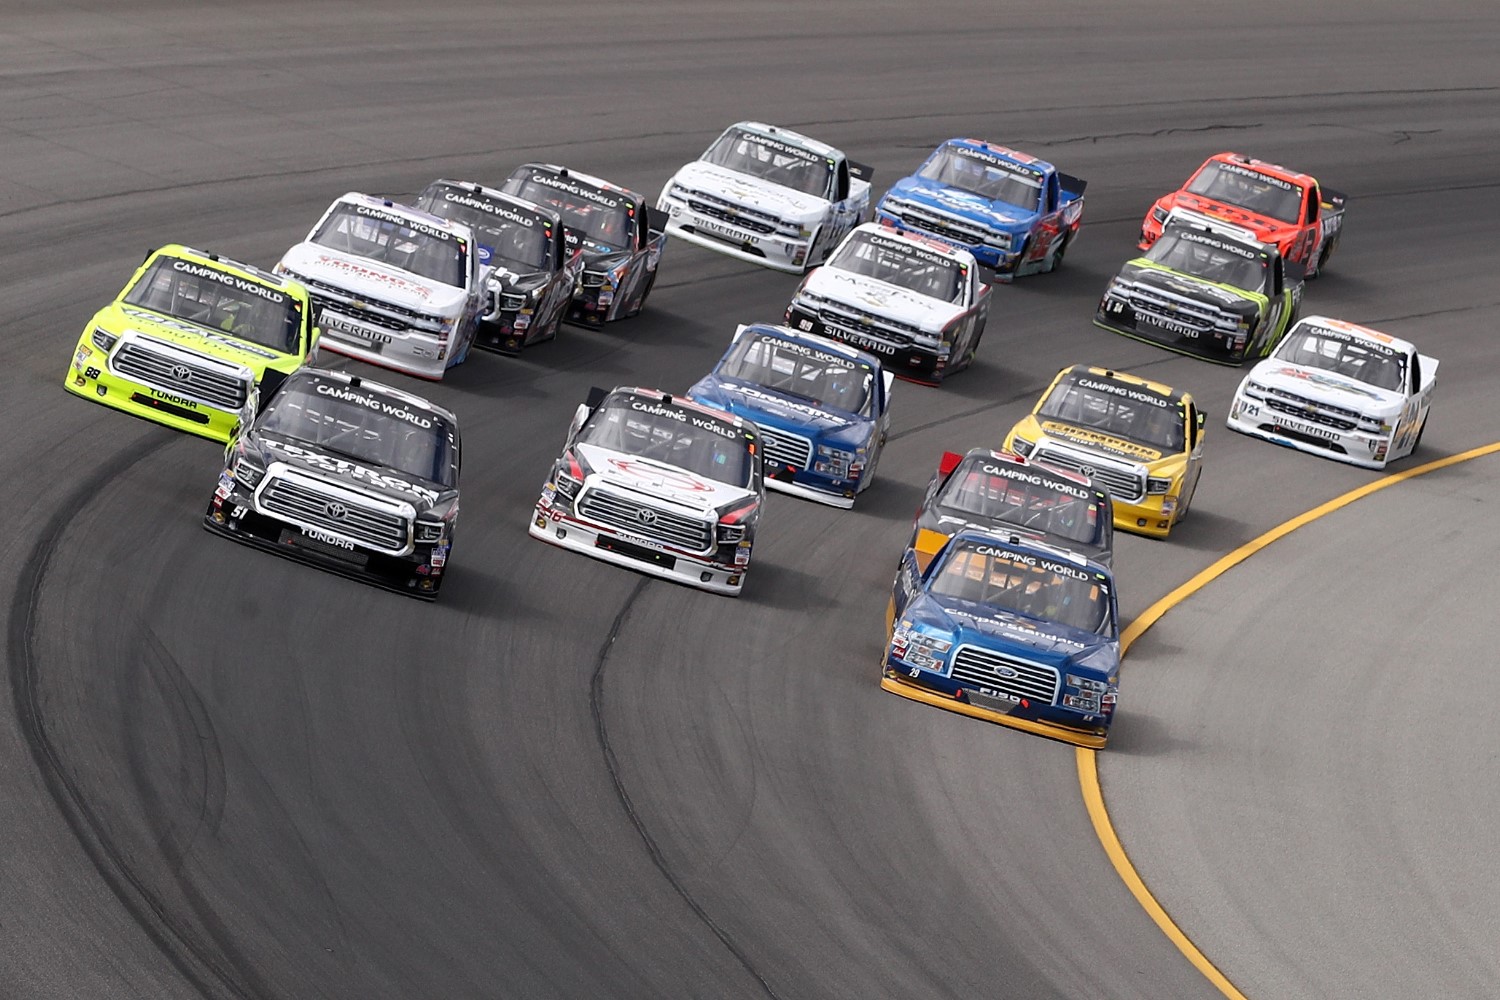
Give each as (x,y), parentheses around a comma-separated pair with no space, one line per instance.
(1088,761)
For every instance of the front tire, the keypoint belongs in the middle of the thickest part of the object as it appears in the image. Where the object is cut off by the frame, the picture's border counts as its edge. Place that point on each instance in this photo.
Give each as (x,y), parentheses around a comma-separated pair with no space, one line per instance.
(1057,256)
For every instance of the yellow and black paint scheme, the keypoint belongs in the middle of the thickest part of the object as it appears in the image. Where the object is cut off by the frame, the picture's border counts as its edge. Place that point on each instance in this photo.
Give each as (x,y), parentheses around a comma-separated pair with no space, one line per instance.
(194,341)
(1170,475)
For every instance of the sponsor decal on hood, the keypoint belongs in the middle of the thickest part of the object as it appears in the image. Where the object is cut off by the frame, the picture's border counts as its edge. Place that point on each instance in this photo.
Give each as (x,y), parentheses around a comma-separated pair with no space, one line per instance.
(752,192)
(1018,629)
(1151,273)
(360,276)
(874,297)
(1299,378)
(658,479)
(180,329)
(760,400)
(385,481)
(1102,442)
(965,204)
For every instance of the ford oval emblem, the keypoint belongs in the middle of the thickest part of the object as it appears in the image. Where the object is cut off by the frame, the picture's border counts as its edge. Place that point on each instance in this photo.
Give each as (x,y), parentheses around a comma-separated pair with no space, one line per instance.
(336,510)
(181,373)
(646,516)
(1006,672)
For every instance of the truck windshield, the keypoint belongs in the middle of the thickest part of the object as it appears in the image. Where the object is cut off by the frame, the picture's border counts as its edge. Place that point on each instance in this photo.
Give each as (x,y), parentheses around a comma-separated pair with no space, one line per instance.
(244,309)
(1205,256)
(415,247)
(773,160)
(986,490)
(603,218)
(508,236)
(1313,346)
(672,435)
(821,378)
(1027,584)
(896,262)
(364,427)
(988,176)
(1247,188)
(1118,409)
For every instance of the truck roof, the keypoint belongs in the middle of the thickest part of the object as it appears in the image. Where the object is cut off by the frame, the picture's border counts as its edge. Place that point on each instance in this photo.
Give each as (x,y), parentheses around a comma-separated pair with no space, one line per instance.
(791,138)
(1265,167)
(1015,156)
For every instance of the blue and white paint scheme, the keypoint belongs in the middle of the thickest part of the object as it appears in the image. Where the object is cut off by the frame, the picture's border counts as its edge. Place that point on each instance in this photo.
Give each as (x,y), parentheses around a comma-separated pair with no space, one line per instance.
(823,408)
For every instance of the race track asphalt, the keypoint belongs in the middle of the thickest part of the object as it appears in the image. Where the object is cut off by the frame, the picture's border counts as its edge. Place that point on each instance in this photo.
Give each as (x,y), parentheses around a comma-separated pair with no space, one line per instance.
(229,775)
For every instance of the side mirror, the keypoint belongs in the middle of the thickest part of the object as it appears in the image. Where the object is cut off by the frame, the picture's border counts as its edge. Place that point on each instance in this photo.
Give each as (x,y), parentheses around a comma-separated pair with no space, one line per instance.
(312,344)
(1202,420)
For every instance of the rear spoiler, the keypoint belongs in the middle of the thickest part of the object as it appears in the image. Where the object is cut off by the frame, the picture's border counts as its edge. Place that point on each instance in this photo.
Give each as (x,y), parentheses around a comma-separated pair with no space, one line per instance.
(860,170)
(1333,200)
(1071,184)
(656,219)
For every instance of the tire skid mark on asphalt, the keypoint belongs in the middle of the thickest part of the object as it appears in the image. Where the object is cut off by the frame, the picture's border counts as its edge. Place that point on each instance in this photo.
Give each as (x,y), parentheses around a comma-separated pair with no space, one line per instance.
(192,959)
(611,763)
(1088,760)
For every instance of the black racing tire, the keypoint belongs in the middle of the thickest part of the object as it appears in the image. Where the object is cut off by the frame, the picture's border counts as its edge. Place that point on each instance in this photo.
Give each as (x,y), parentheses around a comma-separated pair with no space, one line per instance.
(1323,256)
(645,292)
(1187,505)
(1057,258)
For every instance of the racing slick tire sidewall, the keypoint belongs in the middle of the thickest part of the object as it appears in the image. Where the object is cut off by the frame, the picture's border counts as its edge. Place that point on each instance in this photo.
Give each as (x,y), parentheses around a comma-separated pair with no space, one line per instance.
(1187,504)
(1057,255)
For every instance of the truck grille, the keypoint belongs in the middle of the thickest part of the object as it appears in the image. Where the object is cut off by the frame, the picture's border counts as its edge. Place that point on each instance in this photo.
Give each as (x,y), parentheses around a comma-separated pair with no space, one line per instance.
(947,228)
(1309,413)
(181,373)
(1154,303)
(974,665)
(719,208)
(878,326)
(642,517)
(380,524)
(1122,483)
(1301,405)
(734,218)
(340,300)
(786,448)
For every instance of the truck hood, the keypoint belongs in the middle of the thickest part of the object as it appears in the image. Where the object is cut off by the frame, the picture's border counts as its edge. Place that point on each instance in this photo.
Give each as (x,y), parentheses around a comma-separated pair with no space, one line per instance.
(774,409)
(366,478)
(752,192)
(362,277)
(881,298)
(1328,387)
(502,278)
(660,480)
(1097,441)
(190,336)
(1145,272)
(1004,631)
(995,214)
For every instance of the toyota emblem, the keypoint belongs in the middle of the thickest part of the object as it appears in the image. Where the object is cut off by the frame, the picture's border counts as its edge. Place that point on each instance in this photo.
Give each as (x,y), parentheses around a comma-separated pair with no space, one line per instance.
(336,511)
(645,516)
(1087,470)
(181,373)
